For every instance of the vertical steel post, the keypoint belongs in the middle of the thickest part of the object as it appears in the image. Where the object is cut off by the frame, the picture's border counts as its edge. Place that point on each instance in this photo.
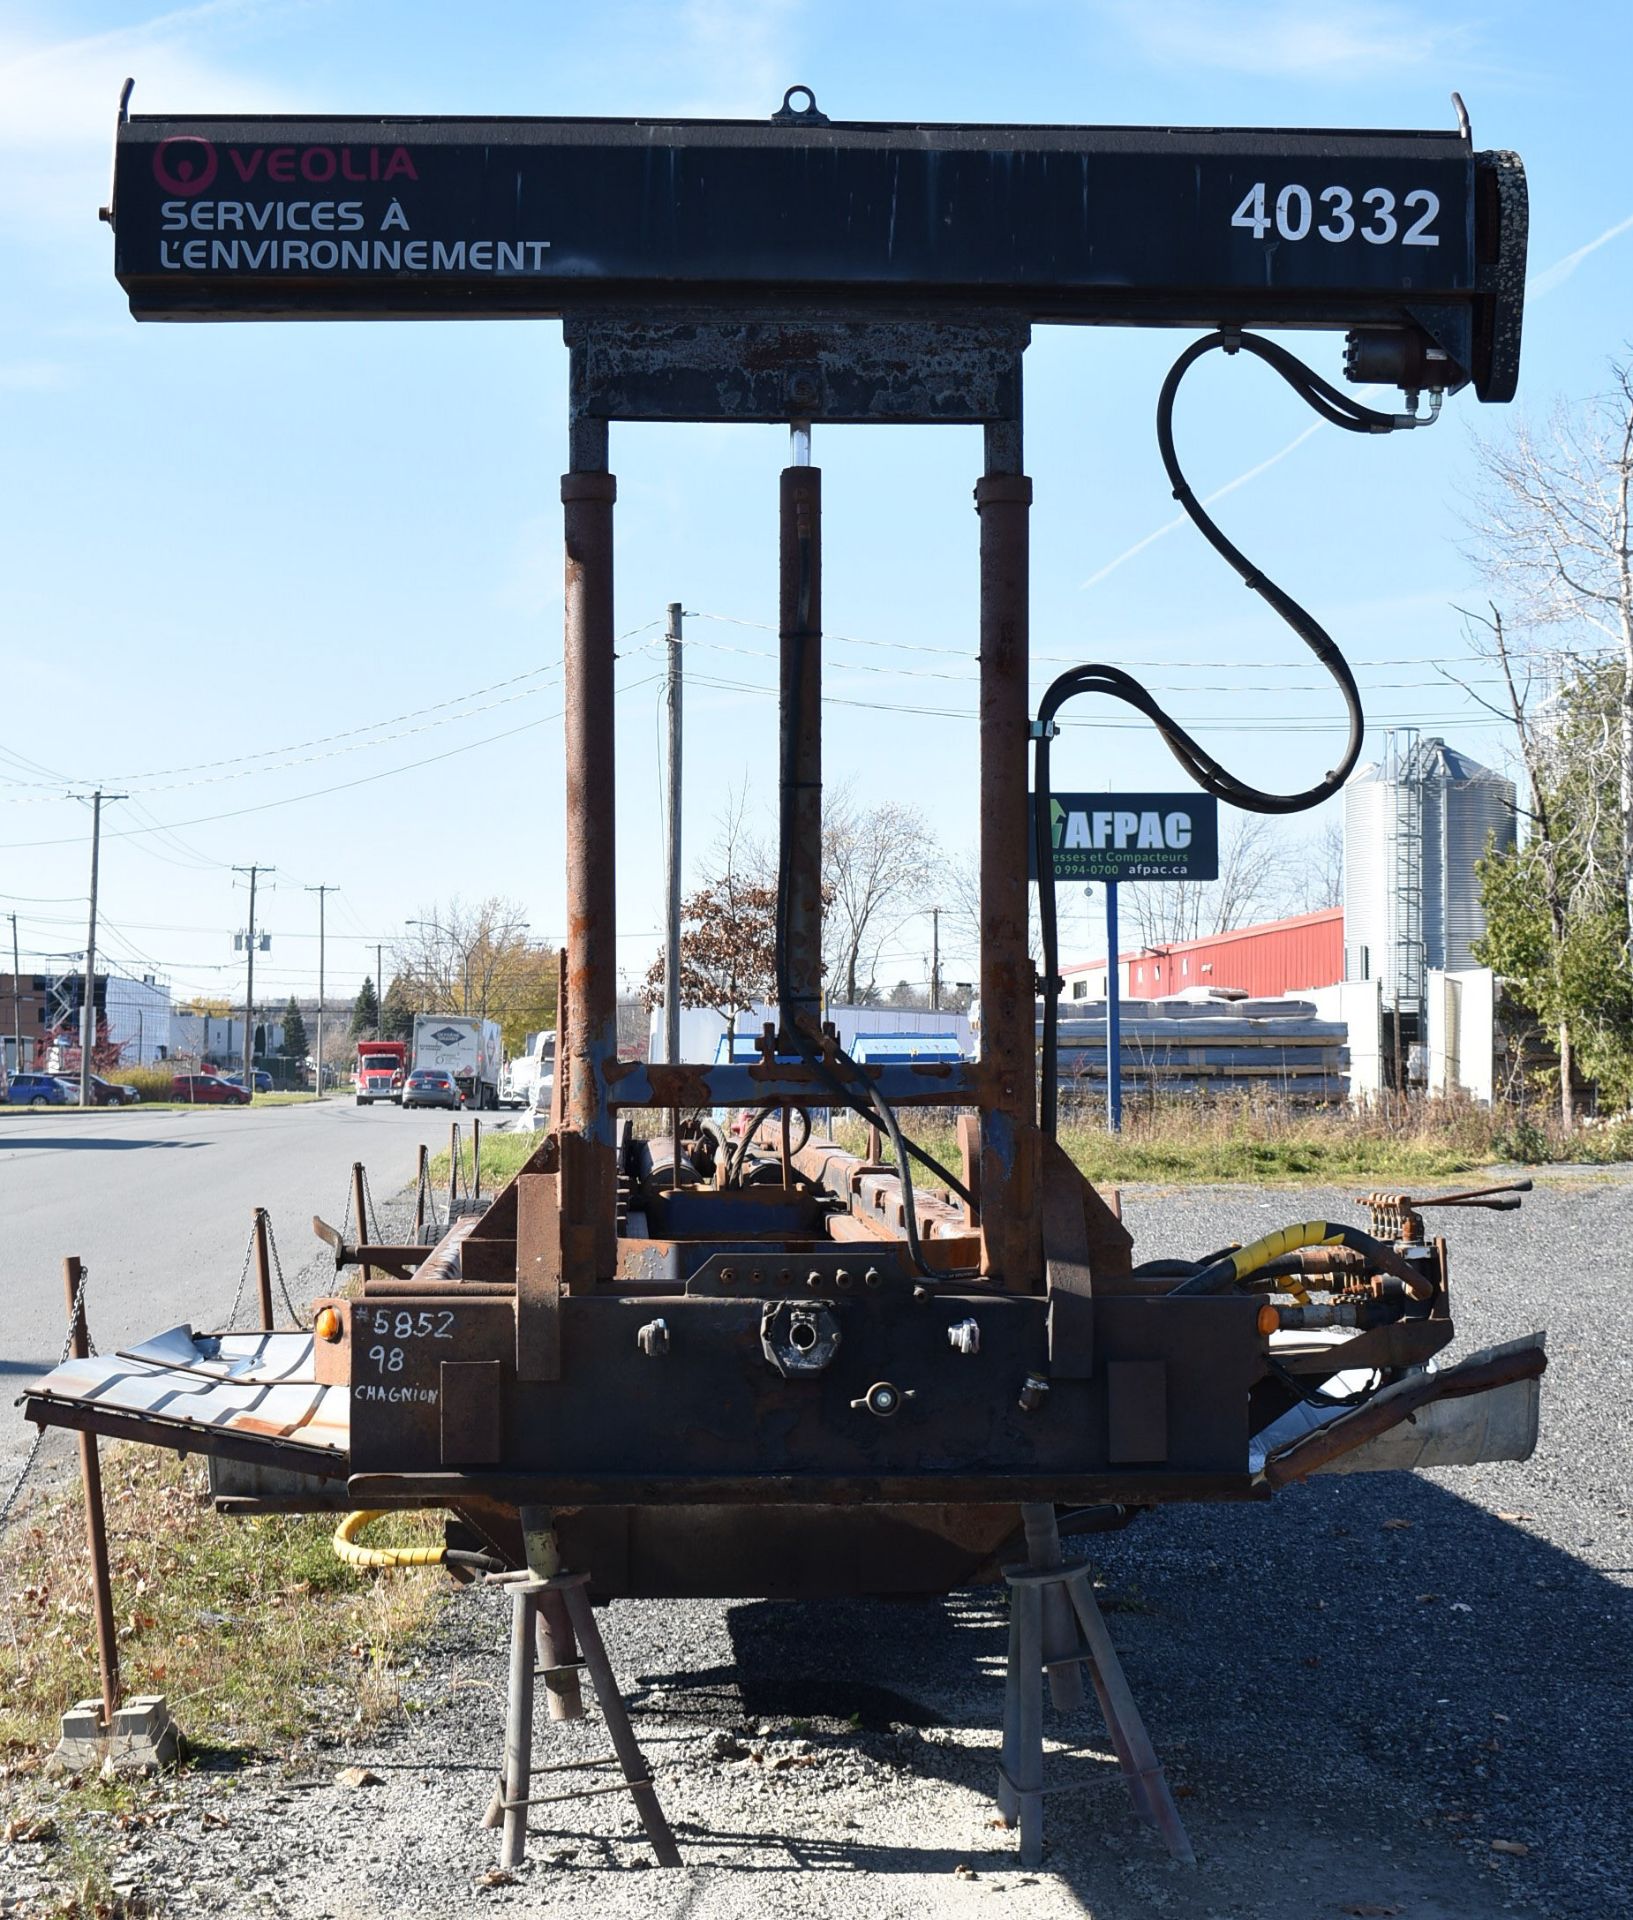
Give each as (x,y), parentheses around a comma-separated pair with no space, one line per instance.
(1011,1234)
(263,1269)
(422,1184)
(590,1044)
(671,877)
(96,1527)
(360,1201)
(518,1775)
(16,1004)
(800,736)
(1114,1017)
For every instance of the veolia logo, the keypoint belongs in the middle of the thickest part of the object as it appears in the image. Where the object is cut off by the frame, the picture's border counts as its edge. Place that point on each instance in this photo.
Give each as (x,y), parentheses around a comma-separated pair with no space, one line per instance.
(447,1036)
(184,164)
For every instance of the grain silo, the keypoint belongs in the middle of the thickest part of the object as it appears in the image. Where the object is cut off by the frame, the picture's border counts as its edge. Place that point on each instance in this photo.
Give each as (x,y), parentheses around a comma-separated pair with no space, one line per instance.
(1415,823)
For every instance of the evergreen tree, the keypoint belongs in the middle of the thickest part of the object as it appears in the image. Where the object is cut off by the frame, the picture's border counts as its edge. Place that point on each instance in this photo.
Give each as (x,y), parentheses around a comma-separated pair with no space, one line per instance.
(295,1044)
(397,1015)
(365,1010)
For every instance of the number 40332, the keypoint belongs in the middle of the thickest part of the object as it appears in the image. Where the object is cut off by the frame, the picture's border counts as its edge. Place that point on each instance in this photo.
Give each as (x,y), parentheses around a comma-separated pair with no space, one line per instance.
(1337,214)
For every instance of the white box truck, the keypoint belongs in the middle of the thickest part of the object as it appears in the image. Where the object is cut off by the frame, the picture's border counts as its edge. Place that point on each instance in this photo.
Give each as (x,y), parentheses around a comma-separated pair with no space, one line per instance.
(471,1050)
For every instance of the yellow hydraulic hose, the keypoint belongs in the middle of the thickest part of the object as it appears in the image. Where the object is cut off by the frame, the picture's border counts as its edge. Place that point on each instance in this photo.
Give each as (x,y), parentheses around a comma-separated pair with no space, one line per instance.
(1231,1267)
(345,1545)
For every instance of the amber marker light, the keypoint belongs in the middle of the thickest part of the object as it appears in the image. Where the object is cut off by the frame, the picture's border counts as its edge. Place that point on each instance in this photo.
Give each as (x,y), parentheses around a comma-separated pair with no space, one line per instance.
(329,1326)
(1269,1320)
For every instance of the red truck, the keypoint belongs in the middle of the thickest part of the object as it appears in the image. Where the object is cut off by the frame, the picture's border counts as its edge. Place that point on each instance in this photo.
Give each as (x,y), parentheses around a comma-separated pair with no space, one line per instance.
(381,1068)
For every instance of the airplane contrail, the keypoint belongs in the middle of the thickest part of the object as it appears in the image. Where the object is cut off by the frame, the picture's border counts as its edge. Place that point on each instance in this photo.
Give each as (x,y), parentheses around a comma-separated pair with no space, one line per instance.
(1230,486)
(1561,270)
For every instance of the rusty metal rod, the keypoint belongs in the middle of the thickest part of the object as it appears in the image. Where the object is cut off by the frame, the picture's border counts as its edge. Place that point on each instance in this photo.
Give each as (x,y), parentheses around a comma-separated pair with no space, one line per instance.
(263,1269)
(96,1526)
(422,1183)
(518,1729)
(589,1046)
(1010,1145)
(800,746)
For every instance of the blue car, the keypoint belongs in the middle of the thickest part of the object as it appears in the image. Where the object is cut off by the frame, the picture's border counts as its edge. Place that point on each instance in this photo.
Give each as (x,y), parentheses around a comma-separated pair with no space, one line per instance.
(40,1090)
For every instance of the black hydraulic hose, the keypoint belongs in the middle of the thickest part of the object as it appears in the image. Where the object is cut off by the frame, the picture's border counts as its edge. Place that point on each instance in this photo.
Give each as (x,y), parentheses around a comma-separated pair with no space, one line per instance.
(1339,410)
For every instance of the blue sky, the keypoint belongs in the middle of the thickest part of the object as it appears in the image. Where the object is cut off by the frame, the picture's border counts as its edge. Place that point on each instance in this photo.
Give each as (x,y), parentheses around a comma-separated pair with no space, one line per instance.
(244,565)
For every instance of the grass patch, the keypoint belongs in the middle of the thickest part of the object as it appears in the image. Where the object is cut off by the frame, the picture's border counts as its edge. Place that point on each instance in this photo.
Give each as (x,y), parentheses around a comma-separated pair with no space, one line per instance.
(1260,1141)
(1243,1141)
(252,1628)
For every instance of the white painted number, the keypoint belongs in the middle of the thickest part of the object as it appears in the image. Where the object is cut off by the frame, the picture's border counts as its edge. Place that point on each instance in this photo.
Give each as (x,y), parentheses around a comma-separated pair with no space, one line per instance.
(1294,215)
(1418,235)
(386,1359)
(1251,214)
(403,1325)
(1341,223)
(1381,229)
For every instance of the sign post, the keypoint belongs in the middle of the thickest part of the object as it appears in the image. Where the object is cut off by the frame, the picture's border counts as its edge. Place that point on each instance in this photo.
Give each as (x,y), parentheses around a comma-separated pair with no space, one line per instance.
(1113,837)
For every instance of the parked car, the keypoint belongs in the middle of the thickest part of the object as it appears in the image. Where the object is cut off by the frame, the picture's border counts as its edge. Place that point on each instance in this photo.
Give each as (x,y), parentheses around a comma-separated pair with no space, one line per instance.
(207,1088)
(112,1093)
(263,1080)
(431,1087)
(41,1090)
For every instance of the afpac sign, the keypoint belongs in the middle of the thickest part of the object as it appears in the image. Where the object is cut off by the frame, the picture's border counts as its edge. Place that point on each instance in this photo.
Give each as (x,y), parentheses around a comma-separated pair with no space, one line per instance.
(1131,836)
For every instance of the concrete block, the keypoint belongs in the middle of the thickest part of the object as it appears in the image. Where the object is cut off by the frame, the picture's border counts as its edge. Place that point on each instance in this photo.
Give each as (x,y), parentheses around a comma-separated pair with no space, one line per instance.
(145,1738)
(81,1742)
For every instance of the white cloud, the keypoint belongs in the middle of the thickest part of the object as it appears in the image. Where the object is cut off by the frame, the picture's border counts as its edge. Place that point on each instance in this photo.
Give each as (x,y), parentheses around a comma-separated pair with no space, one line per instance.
(1307,39)
(59,101)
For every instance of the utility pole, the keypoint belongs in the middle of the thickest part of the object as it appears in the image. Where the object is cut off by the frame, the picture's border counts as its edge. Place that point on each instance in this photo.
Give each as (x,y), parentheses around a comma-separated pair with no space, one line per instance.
(16,1004)
(321,892)
(671,950)
(935,959)
(249,988)
(379,993)
(87,1012)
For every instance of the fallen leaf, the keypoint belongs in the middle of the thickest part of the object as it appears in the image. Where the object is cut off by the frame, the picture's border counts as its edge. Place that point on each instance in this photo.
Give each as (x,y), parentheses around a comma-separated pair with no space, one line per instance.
(358,1777)
(24,1832)
(1395,1526)
(496,1877)
(1369,1908)
(964,1872)
(1516,1847)
(786,1760)
(211,1819)
(1427,1599)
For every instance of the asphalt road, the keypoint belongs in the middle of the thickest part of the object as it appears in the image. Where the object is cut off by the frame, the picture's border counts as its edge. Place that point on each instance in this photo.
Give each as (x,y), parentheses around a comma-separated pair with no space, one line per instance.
(158,1206)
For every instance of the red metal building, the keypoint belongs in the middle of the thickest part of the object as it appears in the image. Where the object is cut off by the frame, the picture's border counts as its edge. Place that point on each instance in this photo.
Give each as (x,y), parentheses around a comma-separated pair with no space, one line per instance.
(1277,956)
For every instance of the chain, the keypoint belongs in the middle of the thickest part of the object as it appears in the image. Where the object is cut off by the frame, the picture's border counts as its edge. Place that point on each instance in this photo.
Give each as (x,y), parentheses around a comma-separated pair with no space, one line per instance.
(278,1269)
(74,1313)
(374,1218)
(243,1275)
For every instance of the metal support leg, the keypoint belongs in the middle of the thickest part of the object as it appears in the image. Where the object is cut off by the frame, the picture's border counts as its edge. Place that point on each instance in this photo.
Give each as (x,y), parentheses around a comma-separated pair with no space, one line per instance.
(1026,1776)
(799,773)
(579,1611)
(518,1775)
(1060,1637)
(1124,1717)
(1020,1771)
(557,1650)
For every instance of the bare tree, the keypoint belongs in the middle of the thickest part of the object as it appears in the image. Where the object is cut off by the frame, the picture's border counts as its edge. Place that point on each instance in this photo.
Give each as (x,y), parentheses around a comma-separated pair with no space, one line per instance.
(1316,877)
(459,959)
(1252,883)
(878,864)
(1552,530)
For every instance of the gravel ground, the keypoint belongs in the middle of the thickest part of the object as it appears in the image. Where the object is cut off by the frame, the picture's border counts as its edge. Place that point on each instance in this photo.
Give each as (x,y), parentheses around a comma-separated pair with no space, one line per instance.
(1356,1690)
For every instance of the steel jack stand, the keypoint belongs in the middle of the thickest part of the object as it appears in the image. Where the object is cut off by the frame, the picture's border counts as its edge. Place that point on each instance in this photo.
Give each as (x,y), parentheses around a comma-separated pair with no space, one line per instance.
(511,1802)
(1020,1764)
